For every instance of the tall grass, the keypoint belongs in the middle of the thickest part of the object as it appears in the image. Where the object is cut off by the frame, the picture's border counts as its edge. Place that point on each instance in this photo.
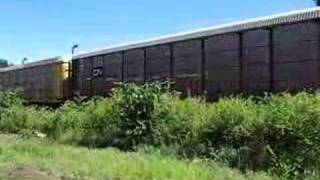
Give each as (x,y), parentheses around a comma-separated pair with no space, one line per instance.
(69,162)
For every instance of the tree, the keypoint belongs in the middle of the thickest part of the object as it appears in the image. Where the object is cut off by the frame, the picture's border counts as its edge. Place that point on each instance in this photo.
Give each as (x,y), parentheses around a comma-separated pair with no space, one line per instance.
(317,2)
(3,63)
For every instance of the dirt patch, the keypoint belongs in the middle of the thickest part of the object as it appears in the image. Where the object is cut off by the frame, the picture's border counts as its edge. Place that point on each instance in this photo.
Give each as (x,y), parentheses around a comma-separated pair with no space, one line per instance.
(6,139)
(23,173)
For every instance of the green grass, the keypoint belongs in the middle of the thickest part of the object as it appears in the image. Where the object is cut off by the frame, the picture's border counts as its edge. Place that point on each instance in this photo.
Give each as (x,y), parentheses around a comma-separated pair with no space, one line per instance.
(68,162)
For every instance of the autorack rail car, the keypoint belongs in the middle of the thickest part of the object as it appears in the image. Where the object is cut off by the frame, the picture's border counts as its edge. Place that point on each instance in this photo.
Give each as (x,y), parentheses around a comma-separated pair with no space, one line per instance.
(271,54)
(276,53)
(45,81)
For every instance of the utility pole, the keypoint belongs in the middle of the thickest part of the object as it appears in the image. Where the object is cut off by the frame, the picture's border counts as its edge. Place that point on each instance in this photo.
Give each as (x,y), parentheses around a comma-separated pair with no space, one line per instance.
(24,60)
(74,47)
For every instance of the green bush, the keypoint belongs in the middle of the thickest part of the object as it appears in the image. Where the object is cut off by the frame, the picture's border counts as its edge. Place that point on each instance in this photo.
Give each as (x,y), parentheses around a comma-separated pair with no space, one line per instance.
(100,128)
(15,117)
(90,123)
(135,107)
(179,122)
(280,132)
(292,130)
(67,121)
(9,98)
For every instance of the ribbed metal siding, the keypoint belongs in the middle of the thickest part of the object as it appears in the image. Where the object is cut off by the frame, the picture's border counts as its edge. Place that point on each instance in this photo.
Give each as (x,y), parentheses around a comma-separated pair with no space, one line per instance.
(256,56)
(112,70)
(158,63)
(40,83)
(233,65)
(296,56)
(269,21)
(85,76)
(98,87)
(134,66)
(222,64)
(187,67)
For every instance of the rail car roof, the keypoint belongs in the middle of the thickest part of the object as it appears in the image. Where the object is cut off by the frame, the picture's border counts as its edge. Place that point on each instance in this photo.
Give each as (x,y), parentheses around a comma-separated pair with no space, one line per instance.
(283,18)
(33,64)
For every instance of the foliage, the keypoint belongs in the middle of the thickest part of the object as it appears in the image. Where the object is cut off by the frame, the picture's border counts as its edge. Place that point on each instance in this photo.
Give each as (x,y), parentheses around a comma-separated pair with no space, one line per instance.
(3,63)
(90,123)
(15,117)
(277,133)
(135,106)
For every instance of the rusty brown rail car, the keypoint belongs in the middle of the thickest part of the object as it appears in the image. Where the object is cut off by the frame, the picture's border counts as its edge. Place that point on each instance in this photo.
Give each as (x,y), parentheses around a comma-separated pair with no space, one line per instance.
(276,53)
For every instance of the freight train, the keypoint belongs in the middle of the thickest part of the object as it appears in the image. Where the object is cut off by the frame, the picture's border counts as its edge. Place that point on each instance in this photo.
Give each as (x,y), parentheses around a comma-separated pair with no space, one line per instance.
(270,54)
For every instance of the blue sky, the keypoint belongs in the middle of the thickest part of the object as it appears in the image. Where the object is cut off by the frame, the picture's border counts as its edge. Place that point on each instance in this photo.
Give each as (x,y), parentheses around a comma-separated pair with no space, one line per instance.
(43,28)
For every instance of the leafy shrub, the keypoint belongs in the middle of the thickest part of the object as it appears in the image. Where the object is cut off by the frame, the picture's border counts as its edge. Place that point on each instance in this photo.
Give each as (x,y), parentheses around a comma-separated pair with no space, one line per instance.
(135,107)
(15,117)
(179,122)
(100,128)
(9,98)
(292,131)
(281,132)
(89,123)
(230,122)
(66,119)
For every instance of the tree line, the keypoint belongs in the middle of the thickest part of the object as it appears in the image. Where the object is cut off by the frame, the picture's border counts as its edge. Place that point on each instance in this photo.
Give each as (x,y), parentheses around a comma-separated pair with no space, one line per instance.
(3,63)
